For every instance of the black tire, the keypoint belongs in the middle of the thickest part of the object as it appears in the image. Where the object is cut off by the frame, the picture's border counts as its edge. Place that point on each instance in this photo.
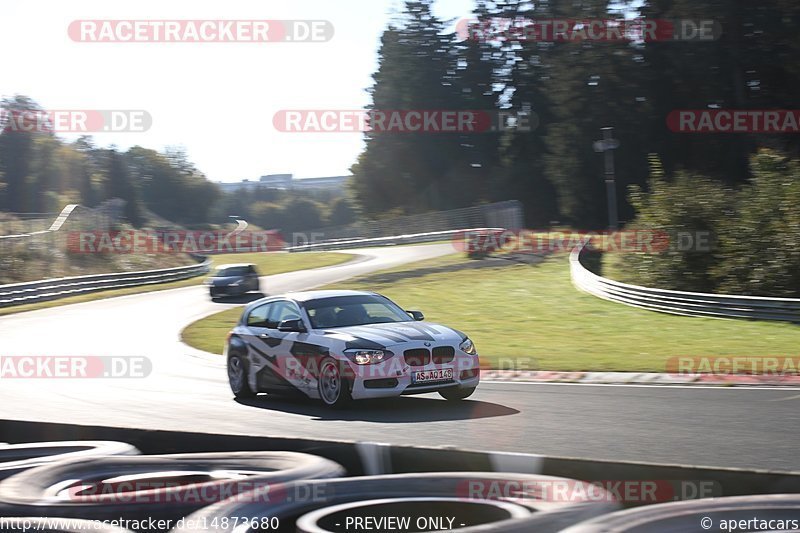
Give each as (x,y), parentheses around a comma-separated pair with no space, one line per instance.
(333,387)
(692,515)
(15,458)
(456,393)
(167,487)
(237,376)
(549,516)
(46,525)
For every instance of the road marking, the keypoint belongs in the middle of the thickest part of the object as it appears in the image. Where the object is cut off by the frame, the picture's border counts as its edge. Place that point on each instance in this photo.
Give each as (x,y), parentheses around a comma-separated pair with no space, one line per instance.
(642,385)
(795,397)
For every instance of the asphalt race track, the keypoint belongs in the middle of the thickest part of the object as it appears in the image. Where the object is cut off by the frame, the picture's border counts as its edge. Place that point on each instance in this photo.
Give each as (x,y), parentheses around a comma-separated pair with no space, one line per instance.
(733,427)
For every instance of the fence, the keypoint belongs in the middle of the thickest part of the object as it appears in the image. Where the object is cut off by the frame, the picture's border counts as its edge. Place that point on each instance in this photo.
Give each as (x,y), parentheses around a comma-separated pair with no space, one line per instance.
(52,289)
(409,238)
(436,225)
(25,238)
(30,239)
(680,302)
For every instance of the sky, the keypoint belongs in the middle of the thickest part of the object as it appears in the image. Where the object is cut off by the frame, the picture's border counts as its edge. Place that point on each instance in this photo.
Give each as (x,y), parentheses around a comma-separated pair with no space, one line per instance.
(214,100)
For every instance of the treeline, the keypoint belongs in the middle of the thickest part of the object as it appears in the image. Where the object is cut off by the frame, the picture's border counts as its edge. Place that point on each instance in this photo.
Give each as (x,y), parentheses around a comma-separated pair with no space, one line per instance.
(40,173)
(575,88)
(287,210)
(753,231)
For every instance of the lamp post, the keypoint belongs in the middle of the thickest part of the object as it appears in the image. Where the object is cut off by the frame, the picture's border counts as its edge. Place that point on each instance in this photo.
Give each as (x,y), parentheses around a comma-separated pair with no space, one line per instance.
(607,145)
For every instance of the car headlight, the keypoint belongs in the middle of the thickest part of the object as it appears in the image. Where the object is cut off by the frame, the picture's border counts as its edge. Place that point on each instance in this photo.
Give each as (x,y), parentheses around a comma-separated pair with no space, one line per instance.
(467,346)
(367,357)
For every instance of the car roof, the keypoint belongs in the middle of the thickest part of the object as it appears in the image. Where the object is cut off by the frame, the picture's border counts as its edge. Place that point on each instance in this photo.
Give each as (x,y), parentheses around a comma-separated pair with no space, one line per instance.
(304,296)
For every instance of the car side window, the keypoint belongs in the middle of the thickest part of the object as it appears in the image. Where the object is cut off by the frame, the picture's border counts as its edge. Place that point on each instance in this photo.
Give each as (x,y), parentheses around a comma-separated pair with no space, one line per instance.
(251,269)
(282,311)
(258,316)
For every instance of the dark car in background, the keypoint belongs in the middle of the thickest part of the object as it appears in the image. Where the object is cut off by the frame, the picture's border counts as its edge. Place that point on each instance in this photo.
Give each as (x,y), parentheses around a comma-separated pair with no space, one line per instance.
(233,280)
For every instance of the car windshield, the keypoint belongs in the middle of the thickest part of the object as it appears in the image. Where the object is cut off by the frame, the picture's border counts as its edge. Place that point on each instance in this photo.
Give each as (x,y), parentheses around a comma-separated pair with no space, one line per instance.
(227,272)
(343,311)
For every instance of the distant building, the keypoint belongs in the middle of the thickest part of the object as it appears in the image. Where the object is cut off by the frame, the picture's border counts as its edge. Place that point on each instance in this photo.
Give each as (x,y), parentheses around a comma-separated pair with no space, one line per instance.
(287,182)
(329,183)
(276,181)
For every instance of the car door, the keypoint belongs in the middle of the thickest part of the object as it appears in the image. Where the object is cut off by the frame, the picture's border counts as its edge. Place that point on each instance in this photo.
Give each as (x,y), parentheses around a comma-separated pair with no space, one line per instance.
(262,341)
(252,278)
(290,366)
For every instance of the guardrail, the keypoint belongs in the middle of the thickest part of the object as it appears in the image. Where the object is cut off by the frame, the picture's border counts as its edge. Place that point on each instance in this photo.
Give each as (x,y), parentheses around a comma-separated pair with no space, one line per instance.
(412,238)
(53,289)
(680,302)
(507,214)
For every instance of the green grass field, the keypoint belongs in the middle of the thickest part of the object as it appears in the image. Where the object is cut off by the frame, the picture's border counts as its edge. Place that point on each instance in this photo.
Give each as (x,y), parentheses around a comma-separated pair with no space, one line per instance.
(267,264)
(531,315)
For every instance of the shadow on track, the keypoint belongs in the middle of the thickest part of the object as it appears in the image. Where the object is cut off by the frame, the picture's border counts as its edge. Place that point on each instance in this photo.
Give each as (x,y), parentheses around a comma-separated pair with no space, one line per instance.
(245,298)
(407,409)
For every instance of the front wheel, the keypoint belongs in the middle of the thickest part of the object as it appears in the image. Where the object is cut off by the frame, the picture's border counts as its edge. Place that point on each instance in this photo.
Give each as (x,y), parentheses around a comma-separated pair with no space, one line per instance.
(237,377)
(333,388)
(456,393)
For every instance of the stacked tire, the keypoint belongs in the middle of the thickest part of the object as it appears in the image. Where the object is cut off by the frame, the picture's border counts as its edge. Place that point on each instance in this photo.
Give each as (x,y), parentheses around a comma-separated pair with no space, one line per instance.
(317,506)
(15,458)
(140,488)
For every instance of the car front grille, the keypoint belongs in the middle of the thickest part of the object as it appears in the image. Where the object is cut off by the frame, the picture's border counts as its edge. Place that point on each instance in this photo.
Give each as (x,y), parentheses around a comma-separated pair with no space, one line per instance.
(443,354)
(417,357)
(422,356)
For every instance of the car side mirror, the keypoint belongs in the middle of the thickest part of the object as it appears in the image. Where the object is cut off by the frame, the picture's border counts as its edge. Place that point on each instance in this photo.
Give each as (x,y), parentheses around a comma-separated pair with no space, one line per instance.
(295,325)
(416,315)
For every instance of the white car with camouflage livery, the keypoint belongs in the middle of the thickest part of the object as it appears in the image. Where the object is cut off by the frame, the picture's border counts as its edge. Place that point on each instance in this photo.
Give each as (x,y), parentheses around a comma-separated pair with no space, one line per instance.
(342,345)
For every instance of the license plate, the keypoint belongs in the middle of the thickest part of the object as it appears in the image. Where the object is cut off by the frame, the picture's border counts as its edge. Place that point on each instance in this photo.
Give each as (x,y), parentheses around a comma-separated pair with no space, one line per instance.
(428,376)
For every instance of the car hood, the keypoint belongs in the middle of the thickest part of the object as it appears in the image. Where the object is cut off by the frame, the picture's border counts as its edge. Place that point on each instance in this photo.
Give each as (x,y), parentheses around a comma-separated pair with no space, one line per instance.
(376,336)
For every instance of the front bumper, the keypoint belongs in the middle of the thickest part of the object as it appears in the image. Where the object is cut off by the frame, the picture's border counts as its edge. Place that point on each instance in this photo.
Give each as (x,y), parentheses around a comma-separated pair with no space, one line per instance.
(225,290)
(394,377)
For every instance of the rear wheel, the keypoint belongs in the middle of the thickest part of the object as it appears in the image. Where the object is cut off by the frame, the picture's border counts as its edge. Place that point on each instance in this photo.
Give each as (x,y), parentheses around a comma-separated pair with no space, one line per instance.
(237,377)
(334,390)
(456,393)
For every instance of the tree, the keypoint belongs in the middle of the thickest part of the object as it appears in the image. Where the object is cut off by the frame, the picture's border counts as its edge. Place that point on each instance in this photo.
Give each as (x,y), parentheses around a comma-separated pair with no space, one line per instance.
(407,170)
(342,213)
(16,151)
(120,185)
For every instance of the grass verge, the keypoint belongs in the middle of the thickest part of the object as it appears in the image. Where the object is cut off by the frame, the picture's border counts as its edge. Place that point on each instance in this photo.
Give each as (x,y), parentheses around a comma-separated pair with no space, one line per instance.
(530,315)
